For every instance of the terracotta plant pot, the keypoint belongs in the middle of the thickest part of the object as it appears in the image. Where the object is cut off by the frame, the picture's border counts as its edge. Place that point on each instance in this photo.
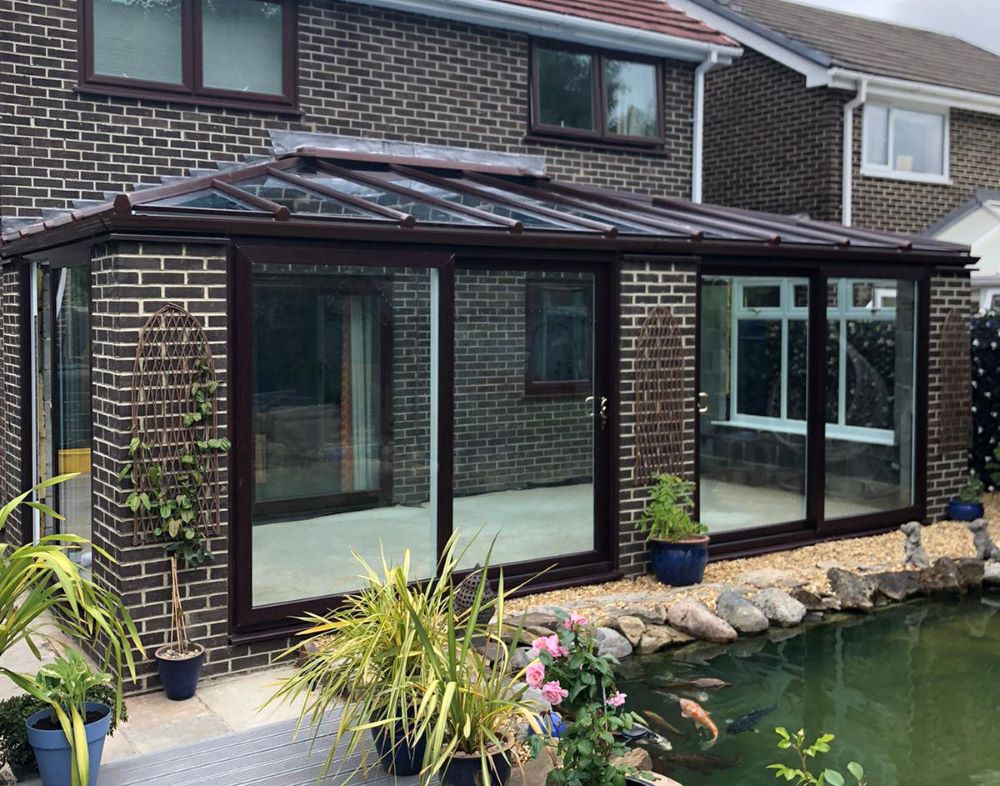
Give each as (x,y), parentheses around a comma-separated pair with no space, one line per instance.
(179,675)
(680,563)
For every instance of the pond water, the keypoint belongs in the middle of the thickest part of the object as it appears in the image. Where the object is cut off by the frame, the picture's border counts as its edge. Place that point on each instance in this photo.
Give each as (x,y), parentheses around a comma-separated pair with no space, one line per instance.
(912,692)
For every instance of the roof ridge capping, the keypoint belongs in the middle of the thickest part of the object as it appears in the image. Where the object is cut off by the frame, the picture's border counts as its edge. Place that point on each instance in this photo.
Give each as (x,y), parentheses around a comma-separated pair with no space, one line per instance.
(285,143)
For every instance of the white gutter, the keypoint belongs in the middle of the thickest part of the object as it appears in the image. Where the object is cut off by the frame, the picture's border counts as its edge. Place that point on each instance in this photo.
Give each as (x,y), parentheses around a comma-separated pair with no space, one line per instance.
(847,175)
(698,132)
(904,89)
(564,27)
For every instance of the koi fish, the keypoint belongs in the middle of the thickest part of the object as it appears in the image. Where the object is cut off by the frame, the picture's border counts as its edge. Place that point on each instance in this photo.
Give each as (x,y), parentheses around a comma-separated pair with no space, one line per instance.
(658,720)
(702,683)
(697,713)
(749,721)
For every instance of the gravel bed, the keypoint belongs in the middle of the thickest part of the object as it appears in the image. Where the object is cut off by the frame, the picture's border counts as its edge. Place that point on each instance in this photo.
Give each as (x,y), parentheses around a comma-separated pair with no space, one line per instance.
(807,565)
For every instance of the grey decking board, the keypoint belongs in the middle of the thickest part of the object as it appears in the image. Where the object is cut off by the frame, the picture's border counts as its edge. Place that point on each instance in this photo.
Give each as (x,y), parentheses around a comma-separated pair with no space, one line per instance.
(266,755)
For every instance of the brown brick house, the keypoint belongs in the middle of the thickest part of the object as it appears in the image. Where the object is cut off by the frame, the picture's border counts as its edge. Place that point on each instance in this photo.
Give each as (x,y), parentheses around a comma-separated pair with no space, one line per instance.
(851,119)
(448,280)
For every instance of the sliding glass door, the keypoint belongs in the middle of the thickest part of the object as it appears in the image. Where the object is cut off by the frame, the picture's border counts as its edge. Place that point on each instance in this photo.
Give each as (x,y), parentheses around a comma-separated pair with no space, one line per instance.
(808,392)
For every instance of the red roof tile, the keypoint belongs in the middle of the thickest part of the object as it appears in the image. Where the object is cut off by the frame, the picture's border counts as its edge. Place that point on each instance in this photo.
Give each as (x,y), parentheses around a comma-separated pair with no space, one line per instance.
(655,16)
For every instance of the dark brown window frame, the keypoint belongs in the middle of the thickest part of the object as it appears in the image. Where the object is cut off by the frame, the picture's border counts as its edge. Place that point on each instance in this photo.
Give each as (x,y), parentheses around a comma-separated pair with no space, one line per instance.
(600,133)
(192,90)
(537,387)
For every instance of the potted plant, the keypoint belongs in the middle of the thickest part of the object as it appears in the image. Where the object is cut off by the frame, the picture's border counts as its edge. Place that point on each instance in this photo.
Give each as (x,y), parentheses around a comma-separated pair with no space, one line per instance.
(573,676)
(68,735)
(41,580)
(471,708)
(678,544)
(174,499)
(968,505)
(366,657)
(14,713)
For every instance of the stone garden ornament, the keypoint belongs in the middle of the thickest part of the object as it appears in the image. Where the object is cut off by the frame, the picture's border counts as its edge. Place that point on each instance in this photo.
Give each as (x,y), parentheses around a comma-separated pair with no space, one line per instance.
(914,554)
(986,549)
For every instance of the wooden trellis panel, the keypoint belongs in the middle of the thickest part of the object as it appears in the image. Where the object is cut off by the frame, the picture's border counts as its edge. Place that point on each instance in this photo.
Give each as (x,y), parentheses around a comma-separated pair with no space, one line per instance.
(659,396)
(955,423)
(172,345)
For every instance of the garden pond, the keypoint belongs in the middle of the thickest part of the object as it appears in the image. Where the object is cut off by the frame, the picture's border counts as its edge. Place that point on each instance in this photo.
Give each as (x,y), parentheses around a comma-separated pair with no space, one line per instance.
(910,691)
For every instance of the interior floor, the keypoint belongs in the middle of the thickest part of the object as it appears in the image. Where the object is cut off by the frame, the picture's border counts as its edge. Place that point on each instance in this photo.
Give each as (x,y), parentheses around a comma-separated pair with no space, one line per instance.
(312,557)
(726,507)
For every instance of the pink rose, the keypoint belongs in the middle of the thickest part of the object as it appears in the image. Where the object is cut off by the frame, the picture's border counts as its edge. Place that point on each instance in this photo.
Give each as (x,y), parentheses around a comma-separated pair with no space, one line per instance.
(574,620)
(553,692)
(534,674)
(617,700)
(549,644)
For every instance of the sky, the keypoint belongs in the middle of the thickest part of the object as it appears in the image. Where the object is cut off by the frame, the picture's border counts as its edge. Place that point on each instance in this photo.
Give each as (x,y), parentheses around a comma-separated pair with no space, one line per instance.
(977,21)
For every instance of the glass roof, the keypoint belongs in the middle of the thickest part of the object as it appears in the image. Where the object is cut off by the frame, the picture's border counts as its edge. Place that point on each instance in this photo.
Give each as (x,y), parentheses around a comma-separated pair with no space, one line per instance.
(299,200)
(206,199)
(422,211)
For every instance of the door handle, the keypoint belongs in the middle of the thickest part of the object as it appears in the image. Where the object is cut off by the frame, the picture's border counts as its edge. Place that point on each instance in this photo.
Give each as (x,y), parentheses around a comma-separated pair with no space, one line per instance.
(602,413)
(703,402)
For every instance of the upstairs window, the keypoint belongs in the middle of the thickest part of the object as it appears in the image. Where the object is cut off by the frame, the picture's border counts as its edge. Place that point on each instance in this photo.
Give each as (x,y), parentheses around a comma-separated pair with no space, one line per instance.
(905,143)
(592,95)
(221,52)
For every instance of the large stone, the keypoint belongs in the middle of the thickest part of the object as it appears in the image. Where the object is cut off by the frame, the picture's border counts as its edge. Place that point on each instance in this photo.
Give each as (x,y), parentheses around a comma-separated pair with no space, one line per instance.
(693,618)
(539,619)
(814,602)
(651,614)
(942,576)
(740,613)
(767,577)
(533,772)
(780,607)
(659,637)
(638,758)
(854,592)
(520,658)
(611,642)
(971,572)
(631,628)
(991,573)
(897,585)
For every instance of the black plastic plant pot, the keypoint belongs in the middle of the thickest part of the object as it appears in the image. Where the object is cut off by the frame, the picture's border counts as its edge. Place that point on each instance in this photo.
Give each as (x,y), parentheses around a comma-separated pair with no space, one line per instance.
(401,758)
(965,511)
(468,771)
(680,563)
(179,675)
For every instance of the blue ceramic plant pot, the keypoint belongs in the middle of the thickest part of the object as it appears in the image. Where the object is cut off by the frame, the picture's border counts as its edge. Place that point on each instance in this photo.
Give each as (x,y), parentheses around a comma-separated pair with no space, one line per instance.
(965,511)
(52,749)
(681,563)
(179,675)
(401,759)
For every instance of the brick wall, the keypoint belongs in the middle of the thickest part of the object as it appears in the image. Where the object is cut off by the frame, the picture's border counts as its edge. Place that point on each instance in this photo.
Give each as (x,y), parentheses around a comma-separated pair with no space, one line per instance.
(946,470)
(645,285)
(770,144)
(363,71)
(903,206)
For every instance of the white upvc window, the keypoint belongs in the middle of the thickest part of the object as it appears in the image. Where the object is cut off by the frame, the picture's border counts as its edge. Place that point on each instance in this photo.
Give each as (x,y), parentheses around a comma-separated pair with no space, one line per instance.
(776,312)
(905,142)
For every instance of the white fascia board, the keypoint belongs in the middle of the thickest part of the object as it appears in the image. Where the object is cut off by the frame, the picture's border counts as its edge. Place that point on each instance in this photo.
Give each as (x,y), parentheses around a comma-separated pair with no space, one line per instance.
(891,88)
(563,27)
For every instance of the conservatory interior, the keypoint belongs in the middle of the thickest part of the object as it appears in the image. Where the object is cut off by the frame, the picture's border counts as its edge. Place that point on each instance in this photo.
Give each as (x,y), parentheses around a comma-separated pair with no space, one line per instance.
(437,341)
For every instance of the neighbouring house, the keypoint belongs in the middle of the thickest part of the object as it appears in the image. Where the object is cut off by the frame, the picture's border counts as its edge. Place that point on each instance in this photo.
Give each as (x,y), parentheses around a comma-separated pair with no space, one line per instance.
(846,118)
(441,256)
(976,223)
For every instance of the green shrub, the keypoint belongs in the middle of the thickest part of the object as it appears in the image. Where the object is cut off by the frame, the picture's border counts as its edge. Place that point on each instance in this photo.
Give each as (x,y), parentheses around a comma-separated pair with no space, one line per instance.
(668,514)
(14,747)
(972,491)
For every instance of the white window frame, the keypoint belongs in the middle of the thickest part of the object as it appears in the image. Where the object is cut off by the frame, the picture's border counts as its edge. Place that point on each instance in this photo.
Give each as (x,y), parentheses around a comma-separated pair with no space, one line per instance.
(887,170)
(787,312)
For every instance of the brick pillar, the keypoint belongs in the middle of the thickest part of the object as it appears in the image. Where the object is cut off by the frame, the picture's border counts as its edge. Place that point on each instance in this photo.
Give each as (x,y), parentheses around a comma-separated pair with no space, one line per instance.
(645,285)
(129,282)
(946,470)
(14,472)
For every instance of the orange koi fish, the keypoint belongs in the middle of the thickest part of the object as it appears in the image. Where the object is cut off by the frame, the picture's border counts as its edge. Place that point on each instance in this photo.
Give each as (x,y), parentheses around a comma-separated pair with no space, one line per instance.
(697,713)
